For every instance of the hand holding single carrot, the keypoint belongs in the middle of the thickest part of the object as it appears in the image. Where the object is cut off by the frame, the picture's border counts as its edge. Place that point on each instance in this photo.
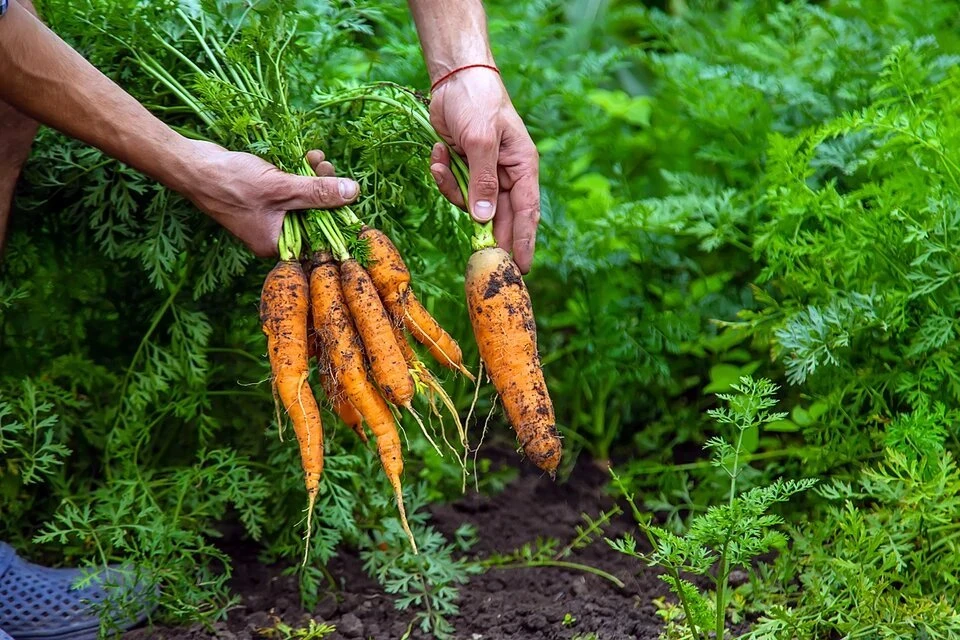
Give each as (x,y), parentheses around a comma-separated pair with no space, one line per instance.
(473,113)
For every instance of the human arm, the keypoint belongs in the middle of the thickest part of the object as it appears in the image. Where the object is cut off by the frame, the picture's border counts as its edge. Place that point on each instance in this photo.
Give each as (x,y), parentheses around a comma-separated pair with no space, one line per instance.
(472,111)
(16,137)
(45,79)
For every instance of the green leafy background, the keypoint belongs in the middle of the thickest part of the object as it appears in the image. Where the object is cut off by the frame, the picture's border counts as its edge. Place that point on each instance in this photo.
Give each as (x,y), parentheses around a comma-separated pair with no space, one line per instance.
(729,188)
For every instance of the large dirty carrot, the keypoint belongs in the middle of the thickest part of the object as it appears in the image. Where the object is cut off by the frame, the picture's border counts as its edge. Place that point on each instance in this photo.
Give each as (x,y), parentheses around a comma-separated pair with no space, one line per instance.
(373,325)
(502,317)
(392,279)
(284,301)
(340,338)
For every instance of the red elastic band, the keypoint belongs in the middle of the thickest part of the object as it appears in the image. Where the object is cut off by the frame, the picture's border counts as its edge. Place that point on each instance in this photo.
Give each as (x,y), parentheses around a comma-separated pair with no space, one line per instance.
(446,77)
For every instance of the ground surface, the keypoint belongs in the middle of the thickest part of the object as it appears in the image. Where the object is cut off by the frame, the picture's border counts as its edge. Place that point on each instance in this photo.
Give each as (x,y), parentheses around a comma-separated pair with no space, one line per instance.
(525,603)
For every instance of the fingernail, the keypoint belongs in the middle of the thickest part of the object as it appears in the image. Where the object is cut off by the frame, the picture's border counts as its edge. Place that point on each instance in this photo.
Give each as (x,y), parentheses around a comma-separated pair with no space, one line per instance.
(437,176)
(348,188)
(483,210)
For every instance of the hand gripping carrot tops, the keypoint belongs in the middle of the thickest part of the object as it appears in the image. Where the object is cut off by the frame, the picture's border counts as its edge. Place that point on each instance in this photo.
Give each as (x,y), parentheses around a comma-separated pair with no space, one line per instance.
(358,287)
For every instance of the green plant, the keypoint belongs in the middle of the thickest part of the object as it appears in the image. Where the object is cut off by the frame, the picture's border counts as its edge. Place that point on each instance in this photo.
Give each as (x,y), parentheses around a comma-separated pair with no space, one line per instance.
(426,582)
(313,631)
(727,536)
(568,620)
(146,363)
(544,552)
(879,562)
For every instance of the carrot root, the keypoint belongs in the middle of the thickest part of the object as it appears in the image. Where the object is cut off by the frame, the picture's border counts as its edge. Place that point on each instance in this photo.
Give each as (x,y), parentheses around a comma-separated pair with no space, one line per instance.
(373,324)
(502,317)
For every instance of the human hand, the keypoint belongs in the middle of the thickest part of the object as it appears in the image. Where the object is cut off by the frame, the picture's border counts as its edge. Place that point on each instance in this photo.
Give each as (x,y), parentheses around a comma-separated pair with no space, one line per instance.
(473,113)
(249,196)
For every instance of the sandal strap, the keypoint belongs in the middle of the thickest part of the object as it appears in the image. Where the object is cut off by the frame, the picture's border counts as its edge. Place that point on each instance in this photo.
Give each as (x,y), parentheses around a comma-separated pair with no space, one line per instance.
(7,555)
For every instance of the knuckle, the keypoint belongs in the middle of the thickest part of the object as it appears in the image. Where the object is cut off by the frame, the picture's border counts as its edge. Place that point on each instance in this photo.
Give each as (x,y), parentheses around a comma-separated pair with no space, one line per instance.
(531,214)
(322,191)
(479,139)
(487,183)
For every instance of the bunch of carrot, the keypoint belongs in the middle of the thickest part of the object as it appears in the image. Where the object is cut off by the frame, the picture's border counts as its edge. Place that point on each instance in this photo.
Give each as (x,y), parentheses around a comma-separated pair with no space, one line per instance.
(341,292)
(354,318)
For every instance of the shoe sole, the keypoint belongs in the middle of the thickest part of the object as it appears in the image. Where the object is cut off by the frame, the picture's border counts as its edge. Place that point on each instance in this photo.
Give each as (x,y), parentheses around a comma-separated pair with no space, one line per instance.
(81,633)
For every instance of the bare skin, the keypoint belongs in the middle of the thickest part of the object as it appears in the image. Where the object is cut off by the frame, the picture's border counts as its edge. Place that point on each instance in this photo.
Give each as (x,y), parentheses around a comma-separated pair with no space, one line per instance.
(45,80)
(472,111)
(48,81)
(16,137)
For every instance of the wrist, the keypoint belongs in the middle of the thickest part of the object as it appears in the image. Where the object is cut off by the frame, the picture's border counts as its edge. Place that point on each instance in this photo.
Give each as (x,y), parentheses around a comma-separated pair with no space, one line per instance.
(446,65)
(436,84)
(184,162)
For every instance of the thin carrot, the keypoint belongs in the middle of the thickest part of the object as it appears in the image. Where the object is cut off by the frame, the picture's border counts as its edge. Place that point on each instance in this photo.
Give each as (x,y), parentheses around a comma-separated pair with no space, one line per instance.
(409,356)
(340,337)
(506,333)
(342,405)
(373,325)
(387,269)
(328,381)
(392,279)
(284,301)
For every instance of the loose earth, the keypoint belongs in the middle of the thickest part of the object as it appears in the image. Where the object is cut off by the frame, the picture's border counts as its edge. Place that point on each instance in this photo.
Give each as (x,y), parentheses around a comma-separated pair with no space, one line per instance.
(528,603)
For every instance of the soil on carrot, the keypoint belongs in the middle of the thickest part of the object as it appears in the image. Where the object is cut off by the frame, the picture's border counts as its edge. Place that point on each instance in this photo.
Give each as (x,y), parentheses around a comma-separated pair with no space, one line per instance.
(542,603)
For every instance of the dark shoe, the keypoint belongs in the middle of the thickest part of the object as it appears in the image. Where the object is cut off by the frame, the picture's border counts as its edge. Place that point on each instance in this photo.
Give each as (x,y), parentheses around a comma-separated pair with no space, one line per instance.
(37,603)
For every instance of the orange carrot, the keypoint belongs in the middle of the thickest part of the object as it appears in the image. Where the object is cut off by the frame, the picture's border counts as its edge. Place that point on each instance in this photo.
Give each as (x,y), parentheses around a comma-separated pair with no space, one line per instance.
(392,279)
(373,324)
(340,337)
(428,332)
(328,381)
(283,315)
(342,405)
(506,333)
(387,269)
(409,356)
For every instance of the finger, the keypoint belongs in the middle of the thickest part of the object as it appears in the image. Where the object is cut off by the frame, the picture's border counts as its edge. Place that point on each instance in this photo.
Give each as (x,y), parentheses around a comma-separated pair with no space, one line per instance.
(503,223)
(447,184)
(443,175)
(301,192)
(525,199)
(325,170)
(319,165)
(482,150)
(265,245)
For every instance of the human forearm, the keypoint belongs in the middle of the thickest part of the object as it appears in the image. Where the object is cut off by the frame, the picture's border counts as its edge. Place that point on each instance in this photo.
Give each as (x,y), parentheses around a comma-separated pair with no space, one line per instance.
(46,79)
(451,36)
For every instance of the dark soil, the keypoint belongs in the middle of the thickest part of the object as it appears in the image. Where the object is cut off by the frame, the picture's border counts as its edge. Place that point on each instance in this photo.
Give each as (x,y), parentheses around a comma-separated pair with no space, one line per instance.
(528,603)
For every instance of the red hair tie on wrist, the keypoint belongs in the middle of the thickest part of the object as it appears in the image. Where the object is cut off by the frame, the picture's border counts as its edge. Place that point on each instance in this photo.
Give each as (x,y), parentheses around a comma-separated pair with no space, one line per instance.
(447,76)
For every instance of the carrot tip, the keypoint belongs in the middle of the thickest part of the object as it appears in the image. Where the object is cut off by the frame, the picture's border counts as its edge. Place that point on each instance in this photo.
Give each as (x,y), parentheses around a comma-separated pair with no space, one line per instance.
(311,501)
(398,490)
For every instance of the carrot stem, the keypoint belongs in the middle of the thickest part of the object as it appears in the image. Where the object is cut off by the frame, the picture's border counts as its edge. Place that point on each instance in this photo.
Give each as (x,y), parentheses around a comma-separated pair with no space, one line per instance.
(482,232)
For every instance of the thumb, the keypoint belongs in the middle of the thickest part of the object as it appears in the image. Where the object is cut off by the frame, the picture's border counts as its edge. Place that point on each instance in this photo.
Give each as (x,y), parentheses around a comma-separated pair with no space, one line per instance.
(482,158)
(302,192)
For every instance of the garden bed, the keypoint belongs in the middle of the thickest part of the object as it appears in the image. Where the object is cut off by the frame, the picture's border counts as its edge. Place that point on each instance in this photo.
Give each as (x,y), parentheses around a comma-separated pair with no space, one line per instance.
(530,603)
